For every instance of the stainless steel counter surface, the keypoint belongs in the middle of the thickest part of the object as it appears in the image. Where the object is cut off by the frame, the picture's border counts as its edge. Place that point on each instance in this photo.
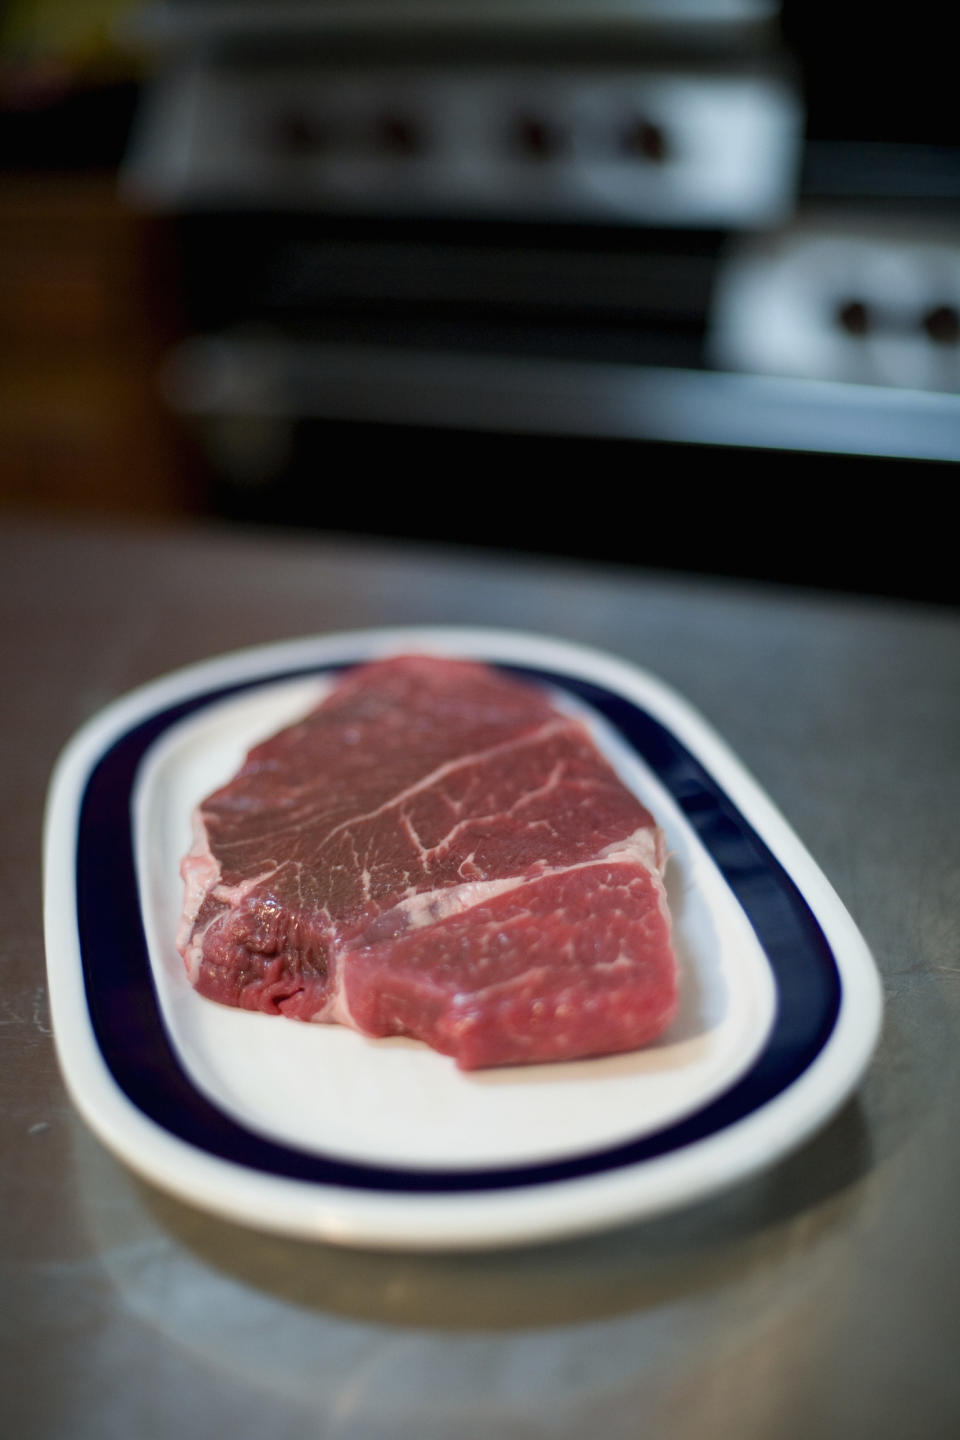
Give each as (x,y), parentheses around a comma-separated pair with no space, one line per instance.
(820,1298)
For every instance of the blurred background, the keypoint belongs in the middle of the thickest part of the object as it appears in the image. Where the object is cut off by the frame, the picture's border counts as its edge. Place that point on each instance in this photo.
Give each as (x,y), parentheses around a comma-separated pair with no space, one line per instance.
(665,284)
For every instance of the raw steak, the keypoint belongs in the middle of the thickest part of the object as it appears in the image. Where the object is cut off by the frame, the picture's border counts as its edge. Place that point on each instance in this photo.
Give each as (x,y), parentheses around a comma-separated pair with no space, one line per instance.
(435,851)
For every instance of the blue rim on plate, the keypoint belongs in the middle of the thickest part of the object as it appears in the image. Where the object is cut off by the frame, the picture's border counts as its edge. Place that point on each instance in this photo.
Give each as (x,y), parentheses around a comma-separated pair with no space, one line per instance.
(133,1042)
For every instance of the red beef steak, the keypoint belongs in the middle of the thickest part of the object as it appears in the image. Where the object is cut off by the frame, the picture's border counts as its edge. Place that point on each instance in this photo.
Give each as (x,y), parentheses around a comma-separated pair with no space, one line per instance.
(435,851)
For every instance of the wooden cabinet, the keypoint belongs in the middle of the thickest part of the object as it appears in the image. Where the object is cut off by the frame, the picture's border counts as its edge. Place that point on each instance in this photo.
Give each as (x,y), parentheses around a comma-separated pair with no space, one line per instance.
(87,307)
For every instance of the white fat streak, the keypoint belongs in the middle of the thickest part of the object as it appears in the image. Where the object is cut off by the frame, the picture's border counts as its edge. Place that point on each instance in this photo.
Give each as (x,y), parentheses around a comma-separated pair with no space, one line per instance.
(433,905)
(335,1010)
(447,841)
(549,727)
(201,872)
(644,847)
(622,962)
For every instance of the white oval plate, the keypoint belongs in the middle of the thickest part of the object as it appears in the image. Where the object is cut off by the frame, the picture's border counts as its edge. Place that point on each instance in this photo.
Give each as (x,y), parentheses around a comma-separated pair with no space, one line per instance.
(319,1132)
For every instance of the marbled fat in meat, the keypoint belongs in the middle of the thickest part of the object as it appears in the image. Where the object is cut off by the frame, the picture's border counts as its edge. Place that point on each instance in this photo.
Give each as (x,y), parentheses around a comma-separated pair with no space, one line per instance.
(435,851)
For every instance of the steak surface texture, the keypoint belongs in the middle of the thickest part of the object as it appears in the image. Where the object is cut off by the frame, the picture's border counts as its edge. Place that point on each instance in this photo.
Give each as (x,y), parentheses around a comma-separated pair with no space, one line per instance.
(435,851)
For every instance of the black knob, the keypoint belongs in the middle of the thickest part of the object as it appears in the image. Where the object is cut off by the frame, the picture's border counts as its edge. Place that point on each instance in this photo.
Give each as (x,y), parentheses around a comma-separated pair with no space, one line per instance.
(942,324)
(646,140)
(537,137)
(853,316)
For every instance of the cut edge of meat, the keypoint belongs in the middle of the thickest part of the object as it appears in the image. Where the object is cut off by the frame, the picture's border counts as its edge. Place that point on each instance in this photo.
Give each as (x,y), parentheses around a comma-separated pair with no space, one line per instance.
(201,872)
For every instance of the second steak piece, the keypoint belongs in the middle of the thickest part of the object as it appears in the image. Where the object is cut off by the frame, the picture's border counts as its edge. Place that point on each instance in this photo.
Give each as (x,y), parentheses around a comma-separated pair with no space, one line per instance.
(435,851)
